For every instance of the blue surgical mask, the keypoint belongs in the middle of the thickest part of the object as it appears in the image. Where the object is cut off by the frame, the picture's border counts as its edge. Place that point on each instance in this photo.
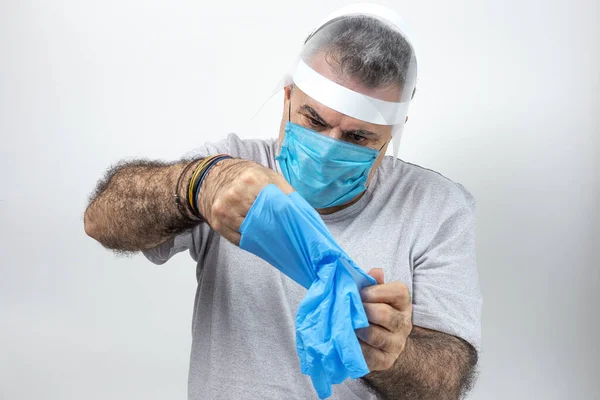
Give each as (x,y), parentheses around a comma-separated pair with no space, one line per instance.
(326,172)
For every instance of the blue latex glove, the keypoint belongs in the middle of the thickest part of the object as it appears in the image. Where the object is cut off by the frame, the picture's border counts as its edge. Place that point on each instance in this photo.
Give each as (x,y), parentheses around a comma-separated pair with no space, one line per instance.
(287,232)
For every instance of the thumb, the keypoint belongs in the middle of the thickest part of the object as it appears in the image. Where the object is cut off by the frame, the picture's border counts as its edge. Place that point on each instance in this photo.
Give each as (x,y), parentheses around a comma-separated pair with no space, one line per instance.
(377,273)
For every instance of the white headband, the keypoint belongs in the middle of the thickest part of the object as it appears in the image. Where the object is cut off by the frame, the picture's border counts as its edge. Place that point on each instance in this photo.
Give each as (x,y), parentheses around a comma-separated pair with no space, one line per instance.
(347,101)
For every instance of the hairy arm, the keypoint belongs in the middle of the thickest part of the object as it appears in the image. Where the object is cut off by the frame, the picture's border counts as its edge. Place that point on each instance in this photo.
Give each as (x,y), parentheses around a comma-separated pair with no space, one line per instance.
(433,365)
(133,207)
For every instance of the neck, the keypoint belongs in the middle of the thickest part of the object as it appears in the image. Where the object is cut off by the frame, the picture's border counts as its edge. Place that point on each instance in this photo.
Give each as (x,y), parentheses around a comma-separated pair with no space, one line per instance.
(331,210)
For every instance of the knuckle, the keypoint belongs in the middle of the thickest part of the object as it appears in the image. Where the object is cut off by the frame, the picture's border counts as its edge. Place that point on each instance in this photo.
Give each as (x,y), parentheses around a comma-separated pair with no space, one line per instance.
(376,311)
(396,322)
(230,194)
(401,347)
(378,340)
(408,324)
(388,362)
(386,315)
(380,360)
(218,208)
(248,176)
(404,290)
(216,225)
(401,291)
(401,287)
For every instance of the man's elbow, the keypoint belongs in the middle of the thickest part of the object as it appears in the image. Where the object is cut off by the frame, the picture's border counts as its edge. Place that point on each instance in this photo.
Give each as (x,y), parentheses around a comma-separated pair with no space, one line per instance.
(470,371)
(91,225)
(100,228)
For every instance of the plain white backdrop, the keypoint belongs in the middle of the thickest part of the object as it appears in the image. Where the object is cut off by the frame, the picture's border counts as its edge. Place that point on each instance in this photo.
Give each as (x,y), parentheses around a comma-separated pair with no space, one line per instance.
(507,104)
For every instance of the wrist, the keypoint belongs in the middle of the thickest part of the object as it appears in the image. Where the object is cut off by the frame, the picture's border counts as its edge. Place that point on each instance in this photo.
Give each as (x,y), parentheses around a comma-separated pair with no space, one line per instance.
(185,172)
(200,179)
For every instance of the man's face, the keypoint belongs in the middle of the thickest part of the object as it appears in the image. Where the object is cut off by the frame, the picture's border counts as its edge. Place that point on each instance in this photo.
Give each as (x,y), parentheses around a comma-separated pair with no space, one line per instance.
(311,114)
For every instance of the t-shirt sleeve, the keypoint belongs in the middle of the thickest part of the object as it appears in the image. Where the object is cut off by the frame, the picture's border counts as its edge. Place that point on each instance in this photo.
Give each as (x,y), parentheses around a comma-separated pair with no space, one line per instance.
(446,293)
(193,240)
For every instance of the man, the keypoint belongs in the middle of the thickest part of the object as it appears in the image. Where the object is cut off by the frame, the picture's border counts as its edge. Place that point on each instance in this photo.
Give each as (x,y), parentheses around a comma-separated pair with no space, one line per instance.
(413,228)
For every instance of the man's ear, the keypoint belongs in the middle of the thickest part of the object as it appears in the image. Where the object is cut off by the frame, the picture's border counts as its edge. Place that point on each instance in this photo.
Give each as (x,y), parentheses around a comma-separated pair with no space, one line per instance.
(287,95)
(287,92)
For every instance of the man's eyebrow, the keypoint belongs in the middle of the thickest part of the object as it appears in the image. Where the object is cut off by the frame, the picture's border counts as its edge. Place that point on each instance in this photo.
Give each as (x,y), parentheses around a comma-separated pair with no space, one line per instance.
(362,132)
(317,117)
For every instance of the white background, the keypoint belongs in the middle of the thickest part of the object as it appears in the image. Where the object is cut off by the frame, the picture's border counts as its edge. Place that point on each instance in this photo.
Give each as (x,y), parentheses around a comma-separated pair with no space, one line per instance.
(508,104)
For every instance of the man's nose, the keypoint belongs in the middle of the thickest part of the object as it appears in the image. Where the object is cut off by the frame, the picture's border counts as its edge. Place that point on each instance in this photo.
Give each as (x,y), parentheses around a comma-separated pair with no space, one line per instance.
(335,133)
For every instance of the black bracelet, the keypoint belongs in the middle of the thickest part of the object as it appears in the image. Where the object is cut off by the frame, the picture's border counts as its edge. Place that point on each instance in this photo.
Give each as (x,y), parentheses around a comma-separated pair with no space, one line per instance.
(196,189)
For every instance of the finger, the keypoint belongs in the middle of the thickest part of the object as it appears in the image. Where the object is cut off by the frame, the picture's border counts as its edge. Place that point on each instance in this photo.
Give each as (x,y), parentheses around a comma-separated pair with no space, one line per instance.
(377,273)
(233,222)
(240,197)
(229,210)
(395,294)
(233,215)
(231,235)
(376,359)
(380,338)
(387,317)
(282,184)
(225,226)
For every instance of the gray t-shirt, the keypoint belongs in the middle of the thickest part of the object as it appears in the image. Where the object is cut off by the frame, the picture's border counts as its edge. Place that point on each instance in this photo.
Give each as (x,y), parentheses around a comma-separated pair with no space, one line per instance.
(414,223)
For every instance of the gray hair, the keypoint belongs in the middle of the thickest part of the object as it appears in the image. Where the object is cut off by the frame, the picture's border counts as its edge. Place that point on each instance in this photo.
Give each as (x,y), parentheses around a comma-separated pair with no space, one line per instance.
(363,48)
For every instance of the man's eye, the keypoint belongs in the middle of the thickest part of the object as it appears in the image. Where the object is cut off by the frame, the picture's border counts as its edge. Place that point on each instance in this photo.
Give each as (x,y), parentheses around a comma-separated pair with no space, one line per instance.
(355,137)
(314,122)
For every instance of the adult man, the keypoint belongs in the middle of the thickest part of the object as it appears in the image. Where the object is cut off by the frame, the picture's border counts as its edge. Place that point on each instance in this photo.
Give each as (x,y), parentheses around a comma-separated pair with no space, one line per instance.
(414,225)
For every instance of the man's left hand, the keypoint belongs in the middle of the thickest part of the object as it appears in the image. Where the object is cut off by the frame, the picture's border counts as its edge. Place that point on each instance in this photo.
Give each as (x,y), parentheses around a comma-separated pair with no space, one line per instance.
(389,310)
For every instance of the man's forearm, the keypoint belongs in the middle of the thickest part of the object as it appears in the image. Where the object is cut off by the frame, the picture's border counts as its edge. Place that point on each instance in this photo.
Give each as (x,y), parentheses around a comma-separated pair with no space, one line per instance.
(133,207)
(433,365)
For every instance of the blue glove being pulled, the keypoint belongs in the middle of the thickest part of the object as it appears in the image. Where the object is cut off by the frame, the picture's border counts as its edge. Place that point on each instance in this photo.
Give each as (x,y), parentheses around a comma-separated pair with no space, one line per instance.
(289,234)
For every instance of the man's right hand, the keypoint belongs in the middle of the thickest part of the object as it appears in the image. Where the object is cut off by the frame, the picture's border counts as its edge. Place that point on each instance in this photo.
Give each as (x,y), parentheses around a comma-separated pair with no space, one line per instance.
(229,190)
